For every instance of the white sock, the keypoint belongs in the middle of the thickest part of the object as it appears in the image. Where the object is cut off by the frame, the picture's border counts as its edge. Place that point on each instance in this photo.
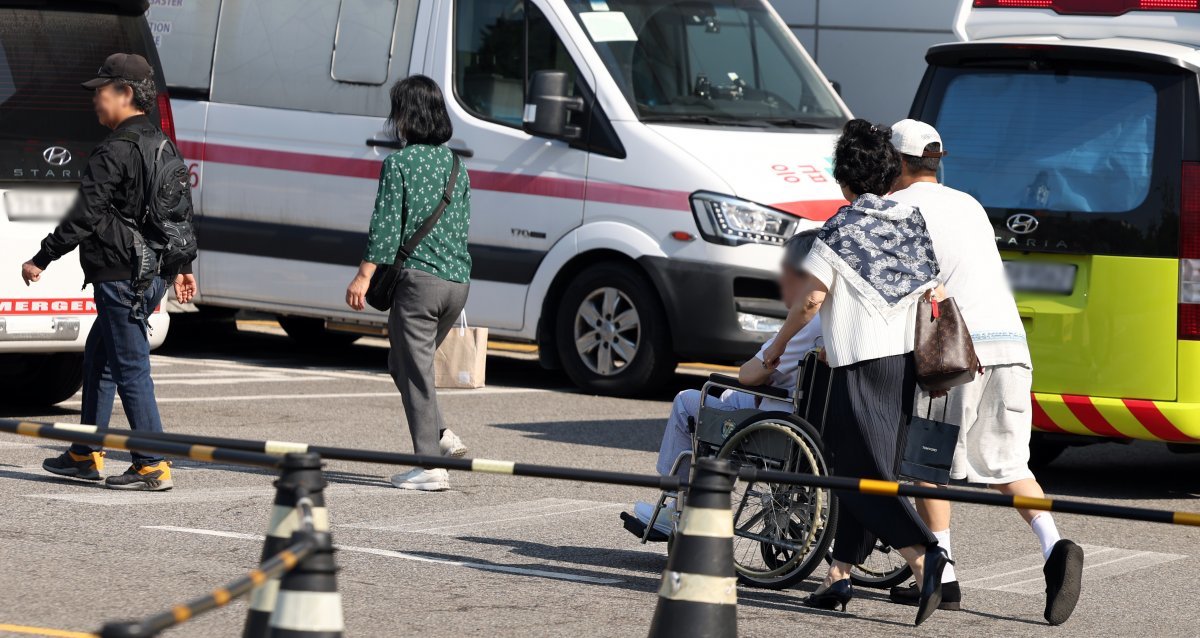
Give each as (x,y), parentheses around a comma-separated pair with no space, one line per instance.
(1047,533)
(943,539)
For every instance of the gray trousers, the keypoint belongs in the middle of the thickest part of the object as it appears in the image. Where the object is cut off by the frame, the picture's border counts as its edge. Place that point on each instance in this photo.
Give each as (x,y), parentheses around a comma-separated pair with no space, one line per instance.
(423,312)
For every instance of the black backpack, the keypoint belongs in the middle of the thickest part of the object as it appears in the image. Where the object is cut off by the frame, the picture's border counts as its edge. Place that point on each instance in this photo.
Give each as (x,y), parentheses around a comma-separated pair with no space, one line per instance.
(166,238)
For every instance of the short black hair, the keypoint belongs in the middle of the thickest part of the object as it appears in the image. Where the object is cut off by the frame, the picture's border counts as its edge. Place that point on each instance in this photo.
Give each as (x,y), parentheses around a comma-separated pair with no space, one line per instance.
(924,164)
(145,93)
(864,159)
(418,114)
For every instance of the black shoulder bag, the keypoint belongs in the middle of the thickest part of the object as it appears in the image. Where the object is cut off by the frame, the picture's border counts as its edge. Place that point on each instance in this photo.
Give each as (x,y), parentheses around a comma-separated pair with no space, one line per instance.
(382,288)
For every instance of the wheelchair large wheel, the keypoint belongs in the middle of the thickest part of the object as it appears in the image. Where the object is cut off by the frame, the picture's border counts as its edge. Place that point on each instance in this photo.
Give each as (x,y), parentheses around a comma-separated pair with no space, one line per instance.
(884,568)
(781,532)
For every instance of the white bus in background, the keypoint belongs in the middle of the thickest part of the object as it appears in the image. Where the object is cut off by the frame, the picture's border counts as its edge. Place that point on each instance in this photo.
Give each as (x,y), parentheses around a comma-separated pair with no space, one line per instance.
(640,227)
(874,50)
(47,129)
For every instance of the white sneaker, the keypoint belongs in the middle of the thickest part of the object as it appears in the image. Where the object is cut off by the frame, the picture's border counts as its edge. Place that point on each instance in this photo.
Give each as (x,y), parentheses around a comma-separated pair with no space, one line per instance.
(666,516)
(452,445)
(435,480)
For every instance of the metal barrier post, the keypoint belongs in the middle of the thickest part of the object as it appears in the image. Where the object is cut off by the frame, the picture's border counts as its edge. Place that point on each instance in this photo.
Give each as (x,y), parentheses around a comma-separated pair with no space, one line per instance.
(308,604)
(300,476)
(698,595)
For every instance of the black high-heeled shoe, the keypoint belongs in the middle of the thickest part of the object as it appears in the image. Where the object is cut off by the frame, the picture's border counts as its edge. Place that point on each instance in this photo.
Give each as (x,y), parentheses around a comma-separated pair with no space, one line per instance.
(836,594)
(936,560)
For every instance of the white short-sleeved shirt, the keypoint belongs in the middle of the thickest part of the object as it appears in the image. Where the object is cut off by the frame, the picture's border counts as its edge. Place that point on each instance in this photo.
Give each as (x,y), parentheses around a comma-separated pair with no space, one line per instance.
(784,377)
(972,271)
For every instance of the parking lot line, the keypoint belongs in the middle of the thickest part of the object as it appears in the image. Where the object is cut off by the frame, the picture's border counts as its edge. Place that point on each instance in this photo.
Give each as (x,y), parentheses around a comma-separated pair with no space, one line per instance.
(1023,575)
(491,517)
(44,631)
(505,569)
(335,395)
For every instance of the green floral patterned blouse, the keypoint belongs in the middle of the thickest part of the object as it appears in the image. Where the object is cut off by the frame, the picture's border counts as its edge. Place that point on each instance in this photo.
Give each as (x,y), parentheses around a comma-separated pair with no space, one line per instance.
(411,184)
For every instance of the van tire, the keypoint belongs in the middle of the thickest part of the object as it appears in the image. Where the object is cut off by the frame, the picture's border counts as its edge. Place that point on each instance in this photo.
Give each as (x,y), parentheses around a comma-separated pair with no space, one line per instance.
(41,379)
(652,362)
(311,332)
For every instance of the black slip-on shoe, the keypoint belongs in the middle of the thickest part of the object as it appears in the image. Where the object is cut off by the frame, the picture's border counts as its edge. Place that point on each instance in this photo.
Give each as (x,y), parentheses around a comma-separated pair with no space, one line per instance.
(72,465)
(911,596)
(1064,580)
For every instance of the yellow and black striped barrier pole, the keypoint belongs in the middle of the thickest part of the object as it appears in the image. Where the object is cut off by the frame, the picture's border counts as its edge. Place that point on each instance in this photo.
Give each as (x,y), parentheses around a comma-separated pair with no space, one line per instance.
(272,568)
(959,495)
(88,435)
(866,486)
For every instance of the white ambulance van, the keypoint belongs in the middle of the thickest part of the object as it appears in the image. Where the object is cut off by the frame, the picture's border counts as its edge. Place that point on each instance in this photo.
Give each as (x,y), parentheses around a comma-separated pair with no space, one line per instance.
(635,164)
(47,130)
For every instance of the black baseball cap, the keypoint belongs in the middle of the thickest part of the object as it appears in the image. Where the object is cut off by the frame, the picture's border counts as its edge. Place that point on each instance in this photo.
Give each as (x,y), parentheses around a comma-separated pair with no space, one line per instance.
(121,66)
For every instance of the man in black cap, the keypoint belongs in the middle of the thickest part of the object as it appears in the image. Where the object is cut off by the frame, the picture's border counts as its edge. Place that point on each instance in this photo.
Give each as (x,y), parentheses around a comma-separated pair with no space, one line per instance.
(103,223)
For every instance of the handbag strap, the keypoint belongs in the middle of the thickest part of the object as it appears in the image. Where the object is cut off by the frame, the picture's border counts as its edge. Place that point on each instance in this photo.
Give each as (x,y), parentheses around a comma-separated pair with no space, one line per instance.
(406,250)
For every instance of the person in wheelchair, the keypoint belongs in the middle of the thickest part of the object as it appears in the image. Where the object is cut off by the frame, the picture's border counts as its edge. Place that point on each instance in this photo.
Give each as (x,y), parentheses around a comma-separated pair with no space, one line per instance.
(780,373)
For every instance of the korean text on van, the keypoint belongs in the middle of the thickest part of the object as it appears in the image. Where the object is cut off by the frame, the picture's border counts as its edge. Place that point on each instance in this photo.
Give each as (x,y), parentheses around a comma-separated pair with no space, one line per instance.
(1075,123)
(635,163)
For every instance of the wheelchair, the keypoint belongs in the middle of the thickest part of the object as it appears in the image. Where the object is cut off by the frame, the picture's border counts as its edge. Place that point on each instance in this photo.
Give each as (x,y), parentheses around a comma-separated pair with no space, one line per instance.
(781,532)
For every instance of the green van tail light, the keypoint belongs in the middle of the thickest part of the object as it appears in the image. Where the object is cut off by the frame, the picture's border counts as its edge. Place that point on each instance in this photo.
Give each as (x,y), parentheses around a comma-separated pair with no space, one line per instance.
(1092,7)
(1189,252)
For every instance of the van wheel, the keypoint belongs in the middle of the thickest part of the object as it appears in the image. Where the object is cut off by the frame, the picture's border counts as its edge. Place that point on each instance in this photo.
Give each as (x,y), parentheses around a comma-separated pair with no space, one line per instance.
(311,332)
(41,379)
(612,334)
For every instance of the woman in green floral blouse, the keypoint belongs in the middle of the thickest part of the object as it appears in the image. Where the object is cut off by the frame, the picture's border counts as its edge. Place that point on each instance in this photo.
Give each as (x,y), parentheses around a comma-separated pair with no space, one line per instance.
(435,279)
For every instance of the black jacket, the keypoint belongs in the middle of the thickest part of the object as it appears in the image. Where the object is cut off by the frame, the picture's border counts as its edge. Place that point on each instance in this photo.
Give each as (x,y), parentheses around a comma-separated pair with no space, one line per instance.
(101,221)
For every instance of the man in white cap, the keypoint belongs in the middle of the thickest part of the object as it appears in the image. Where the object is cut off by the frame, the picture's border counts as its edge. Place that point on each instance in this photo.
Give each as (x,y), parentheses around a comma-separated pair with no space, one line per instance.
(994,411)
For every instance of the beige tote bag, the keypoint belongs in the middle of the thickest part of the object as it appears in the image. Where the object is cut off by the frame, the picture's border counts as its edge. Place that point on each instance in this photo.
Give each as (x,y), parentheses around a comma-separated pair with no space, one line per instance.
(461,360)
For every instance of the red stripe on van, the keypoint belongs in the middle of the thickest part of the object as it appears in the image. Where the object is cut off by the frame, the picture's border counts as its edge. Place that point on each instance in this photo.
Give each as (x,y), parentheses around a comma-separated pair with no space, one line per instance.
(1041,420)
(1154,421)
(816,210)
(1089,416)
(610,193)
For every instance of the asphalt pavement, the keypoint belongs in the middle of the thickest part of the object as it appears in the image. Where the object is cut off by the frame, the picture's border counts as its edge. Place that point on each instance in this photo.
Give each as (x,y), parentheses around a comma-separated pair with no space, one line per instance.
(508,556)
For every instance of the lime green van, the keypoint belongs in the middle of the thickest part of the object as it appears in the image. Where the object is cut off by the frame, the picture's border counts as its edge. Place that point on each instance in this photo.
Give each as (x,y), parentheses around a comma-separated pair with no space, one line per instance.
(1077,125)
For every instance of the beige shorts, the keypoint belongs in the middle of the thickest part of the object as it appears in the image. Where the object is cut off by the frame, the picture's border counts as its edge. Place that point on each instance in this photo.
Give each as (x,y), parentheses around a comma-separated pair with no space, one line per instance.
(995,414)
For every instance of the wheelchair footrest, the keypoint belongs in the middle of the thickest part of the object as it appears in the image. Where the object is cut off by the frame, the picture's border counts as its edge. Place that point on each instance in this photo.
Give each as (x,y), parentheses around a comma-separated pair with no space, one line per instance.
(638,528)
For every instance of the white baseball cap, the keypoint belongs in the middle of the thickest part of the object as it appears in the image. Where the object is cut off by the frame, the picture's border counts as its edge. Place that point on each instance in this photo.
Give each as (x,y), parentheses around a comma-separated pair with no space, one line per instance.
(910,137)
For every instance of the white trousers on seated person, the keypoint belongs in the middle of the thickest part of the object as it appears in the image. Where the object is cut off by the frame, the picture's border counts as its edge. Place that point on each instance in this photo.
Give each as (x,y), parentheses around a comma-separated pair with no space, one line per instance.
(677,438)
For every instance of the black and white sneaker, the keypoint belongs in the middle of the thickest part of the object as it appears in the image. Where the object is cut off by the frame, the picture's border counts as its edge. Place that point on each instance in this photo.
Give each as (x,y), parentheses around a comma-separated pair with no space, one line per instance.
(71,465)
(155,477)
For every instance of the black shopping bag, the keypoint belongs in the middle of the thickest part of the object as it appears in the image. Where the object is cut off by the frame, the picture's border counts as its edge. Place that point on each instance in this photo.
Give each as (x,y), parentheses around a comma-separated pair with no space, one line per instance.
(928,449)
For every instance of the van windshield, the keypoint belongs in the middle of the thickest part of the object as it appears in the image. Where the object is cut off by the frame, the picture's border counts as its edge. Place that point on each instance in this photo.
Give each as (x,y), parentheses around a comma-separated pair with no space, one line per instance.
(47,124)
(708,62)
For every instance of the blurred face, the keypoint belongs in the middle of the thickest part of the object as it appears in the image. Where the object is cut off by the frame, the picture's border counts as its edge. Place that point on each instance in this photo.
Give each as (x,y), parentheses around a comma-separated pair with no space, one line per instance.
(791,284)
(112,105)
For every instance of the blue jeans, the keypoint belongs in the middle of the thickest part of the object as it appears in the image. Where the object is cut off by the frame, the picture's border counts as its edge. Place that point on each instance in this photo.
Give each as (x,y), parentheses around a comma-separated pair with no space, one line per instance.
(116,360)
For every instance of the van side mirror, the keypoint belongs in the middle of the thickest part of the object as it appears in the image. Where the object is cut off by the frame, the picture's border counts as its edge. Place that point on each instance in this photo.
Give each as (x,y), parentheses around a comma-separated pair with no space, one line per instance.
(837,86)
(548,107)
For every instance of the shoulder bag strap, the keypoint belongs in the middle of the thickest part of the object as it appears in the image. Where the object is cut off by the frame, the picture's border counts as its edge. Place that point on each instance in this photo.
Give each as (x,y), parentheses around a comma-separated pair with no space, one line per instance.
(409,246)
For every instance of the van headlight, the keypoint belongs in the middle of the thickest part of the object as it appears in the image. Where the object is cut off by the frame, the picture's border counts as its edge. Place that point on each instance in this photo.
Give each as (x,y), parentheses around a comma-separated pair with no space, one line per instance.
(731,221)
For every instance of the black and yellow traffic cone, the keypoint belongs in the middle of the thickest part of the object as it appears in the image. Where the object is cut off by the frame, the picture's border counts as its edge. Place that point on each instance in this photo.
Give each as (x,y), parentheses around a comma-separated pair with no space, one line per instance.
(308,604)
(698,594)
(300,474)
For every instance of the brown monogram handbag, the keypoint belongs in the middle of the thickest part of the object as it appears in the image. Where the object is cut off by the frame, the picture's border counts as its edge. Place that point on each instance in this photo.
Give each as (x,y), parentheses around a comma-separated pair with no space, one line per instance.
(944,353)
